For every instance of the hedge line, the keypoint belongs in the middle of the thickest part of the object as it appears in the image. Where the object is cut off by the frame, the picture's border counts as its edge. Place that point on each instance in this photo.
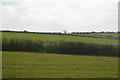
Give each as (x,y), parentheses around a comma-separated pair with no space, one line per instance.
(60,47)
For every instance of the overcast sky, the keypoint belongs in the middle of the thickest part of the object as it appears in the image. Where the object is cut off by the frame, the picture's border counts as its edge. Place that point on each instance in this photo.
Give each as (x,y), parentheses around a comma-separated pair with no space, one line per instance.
(59,15)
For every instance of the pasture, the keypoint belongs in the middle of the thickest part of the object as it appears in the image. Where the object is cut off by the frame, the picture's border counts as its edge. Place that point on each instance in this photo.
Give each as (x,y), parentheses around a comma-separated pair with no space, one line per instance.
(49,37)
(101,35)
(29,55)
(44,65)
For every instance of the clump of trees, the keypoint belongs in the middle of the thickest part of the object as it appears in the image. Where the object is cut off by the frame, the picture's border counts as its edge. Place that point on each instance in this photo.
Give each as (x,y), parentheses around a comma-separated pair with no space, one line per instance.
(59,47)
(21,45)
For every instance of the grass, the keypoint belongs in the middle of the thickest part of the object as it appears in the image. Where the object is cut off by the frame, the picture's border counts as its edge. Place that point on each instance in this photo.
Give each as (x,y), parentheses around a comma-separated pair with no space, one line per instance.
(44,65)
(101,35)
(47,37)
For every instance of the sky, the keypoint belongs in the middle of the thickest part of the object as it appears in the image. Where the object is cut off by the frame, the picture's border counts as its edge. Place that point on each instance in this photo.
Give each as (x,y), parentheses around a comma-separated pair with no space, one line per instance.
(59,15)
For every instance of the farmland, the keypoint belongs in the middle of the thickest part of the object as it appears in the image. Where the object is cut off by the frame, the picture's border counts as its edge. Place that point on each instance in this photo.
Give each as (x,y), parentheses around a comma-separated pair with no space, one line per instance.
(100,35)
(47,37)
(44,65)
(29,55)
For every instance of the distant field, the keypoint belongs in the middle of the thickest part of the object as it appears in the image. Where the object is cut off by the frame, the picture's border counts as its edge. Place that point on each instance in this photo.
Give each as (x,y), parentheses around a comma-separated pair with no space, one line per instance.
(47,37)
(43,65)
(101,35)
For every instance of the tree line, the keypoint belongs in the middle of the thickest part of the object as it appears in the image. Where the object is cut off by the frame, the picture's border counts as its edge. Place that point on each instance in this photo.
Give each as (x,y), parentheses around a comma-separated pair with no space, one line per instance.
(58,47)
(58,33)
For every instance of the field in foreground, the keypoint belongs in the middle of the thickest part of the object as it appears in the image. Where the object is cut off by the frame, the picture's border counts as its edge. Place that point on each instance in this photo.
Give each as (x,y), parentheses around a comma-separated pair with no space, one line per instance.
(44,65)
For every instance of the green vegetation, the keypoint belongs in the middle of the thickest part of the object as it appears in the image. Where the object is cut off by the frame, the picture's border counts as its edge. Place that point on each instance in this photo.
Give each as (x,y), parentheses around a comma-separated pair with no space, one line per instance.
(100,35)
(49,37)
(59,47)
(46,55)
(43,65)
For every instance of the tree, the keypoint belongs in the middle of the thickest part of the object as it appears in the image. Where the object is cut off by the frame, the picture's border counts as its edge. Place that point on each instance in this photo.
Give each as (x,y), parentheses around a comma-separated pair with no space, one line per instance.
(25,31)
(65,31)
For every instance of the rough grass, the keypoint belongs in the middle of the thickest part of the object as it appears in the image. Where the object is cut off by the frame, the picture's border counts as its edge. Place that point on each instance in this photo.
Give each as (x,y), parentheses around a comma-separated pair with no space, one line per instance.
(47,37)
(43,65)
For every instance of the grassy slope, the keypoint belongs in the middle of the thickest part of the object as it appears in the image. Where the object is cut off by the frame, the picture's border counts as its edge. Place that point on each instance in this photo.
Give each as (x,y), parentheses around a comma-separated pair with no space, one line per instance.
(37,65)
(59,37)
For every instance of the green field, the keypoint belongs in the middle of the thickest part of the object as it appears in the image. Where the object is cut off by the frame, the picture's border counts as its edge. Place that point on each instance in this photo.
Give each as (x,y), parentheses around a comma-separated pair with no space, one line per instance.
(44,65)
(51,65)
(101,35)
(47,37)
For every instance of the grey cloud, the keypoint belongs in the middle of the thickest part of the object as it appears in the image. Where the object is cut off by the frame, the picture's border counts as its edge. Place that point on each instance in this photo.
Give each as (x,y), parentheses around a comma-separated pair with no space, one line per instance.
(57,15)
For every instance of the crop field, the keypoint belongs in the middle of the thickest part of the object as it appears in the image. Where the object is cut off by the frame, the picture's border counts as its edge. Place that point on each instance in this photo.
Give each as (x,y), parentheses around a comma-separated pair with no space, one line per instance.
(47,37)
(44,65)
